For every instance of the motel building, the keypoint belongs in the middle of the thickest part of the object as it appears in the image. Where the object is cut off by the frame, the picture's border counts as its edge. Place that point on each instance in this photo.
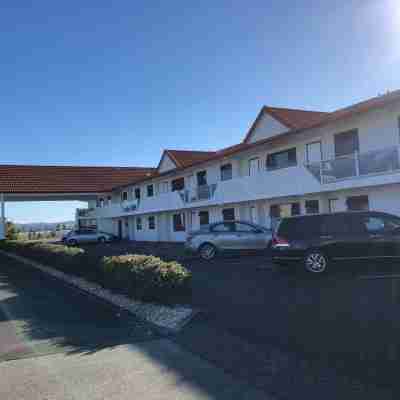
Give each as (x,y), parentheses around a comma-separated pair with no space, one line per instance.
(290,162)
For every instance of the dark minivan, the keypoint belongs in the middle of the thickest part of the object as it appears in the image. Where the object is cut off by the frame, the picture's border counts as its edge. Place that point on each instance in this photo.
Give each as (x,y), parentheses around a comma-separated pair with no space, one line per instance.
(318,240)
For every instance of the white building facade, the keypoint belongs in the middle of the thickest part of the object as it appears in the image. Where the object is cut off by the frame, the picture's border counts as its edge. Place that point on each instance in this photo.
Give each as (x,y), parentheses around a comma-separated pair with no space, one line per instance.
(290,162)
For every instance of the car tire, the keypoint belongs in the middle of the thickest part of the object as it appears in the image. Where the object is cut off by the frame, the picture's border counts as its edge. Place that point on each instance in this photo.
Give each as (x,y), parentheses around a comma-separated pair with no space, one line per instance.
(316,262)
(72,242)
(101,239)
(207,251)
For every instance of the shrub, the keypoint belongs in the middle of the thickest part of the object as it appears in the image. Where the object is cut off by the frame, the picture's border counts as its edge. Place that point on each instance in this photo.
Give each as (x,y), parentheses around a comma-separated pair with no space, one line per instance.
(147,278)
(142,277)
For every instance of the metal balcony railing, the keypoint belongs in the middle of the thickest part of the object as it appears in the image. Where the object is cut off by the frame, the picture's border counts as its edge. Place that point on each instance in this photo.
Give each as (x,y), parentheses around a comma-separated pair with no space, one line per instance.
(128,206)
(204,192)
(356,165)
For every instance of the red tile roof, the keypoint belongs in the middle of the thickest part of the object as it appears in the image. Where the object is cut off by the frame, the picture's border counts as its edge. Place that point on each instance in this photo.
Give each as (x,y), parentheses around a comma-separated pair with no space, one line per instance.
(66,179)
(184,158)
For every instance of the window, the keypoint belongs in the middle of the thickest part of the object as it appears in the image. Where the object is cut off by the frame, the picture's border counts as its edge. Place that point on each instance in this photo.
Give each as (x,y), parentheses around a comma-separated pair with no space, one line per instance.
(253,214)
(312,206)
(202,178)
(228,214)
(379,224)
(224,227)
(124,196)
(204,218)
(226,172)
(101,202)
(333,205)
(313,152)
(108,200)
(346,143)
(295,209)
(150,190)
(254,166)
(151,222)
(178,222)
(137,193)
(358,203)
(240,227)
(282,159)
(138,223)
(178,184)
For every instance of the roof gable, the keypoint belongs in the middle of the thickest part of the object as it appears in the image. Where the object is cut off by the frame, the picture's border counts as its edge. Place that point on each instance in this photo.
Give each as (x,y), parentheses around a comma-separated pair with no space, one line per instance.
(166,163)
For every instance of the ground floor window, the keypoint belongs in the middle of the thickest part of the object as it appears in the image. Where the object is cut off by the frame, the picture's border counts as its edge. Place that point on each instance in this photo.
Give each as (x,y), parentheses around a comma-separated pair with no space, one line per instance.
(358,203)
(228,214)
(178,222)
(333,205)
(253,214)
(151,222)
(283,210)
(204,217)
(138,223)
(312,206)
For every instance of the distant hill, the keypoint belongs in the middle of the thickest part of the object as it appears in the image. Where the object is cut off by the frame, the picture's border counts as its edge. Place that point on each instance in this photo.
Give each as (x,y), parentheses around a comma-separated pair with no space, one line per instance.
(45,226)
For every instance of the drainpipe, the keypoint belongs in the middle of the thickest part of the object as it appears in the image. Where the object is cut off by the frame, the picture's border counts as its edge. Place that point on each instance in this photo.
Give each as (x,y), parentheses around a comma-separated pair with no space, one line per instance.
(2,218)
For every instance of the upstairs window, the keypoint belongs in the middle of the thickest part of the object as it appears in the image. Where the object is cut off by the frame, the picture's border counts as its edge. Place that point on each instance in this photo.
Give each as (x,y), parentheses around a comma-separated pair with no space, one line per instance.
(150,190)
(151,222)
(178,184)
(108,200)
(101,202)
(124,196)
(346,143)
(282,159)
(226,172)
(254,166)
(202,178)
(137,193)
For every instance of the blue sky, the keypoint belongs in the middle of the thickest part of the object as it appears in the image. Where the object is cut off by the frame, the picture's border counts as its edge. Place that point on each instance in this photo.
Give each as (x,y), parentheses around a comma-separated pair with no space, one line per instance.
(113,83)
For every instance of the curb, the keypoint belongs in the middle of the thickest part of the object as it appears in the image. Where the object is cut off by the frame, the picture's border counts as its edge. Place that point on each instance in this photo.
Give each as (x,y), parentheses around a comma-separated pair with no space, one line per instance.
(101,297)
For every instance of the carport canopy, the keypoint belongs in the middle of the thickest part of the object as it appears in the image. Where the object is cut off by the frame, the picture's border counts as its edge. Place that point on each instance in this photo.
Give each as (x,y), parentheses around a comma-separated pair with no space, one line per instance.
(59,183)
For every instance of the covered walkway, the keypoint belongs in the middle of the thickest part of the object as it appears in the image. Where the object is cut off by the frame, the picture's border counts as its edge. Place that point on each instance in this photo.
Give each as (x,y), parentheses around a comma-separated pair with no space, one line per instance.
(60,183)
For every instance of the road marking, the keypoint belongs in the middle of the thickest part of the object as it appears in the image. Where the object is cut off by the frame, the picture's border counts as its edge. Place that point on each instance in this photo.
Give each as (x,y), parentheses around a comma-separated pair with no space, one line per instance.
(392,276)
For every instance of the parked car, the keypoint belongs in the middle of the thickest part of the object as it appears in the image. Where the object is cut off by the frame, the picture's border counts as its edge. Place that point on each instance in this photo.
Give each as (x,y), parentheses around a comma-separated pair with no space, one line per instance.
(86,236)
(228,236)
(316,241)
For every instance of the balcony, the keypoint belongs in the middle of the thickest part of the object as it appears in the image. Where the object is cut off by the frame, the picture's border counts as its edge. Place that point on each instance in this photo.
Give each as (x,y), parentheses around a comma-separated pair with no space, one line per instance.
(200,193)
(356,165)
(86,212)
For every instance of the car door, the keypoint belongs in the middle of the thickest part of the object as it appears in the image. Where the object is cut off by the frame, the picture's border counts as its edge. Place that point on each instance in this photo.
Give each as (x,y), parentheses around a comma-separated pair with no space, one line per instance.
(224,236)
(391,236)
(249,237)
(376,244)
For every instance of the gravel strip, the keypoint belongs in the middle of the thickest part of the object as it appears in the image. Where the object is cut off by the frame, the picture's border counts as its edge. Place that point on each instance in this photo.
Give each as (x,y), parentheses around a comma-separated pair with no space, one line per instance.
(171,318)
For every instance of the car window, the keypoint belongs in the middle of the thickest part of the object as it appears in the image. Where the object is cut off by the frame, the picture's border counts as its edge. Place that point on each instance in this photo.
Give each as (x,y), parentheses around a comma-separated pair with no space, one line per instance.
(224,227)
(380,224)
(240,227)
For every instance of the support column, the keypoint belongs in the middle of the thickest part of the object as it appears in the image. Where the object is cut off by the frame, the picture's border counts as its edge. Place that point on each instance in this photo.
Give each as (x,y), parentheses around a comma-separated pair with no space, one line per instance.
(2,218)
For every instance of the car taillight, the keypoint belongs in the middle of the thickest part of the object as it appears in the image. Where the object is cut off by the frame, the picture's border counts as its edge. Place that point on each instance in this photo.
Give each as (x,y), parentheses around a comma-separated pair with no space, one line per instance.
(279,242)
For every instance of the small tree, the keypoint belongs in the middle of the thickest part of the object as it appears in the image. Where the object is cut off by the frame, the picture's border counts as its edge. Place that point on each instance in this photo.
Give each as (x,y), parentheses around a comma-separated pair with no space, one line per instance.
(11,231)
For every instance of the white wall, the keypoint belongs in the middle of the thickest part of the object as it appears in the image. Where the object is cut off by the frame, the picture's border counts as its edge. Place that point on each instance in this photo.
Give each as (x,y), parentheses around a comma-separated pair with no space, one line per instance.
(166,164)
(266,127)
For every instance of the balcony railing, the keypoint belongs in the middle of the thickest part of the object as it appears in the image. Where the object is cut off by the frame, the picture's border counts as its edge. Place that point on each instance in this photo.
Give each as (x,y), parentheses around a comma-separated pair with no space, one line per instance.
(85,212)
(200,193)
(129,206)
(356,165)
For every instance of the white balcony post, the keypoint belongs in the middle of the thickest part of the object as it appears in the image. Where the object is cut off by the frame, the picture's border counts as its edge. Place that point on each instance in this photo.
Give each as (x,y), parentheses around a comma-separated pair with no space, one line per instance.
(321,178)
(2,218)
(357,162)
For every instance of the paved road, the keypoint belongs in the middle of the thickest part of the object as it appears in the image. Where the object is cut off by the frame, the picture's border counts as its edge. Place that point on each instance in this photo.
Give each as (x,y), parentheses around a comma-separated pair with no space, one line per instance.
(56,343)
(290,333)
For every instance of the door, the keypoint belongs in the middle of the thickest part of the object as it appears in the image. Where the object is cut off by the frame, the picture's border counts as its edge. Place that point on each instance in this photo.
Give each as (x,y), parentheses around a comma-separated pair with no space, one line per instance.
(224,236)
(254,166)
(120,229)
(249,237)
(346,143)
(313,152)
(392,236)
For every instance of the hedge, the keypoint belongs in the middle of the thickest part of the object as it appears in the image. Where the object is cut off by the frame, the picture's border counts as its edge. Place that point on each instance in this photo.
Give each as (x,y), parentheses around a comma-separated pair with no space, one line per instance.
(141,277)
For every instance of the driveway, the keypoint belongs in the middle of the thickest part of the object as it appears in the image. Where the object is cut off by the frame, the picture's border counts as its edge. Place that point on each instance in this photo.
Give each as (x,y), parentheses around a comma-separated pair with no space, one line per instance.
(58,343)
(333,337)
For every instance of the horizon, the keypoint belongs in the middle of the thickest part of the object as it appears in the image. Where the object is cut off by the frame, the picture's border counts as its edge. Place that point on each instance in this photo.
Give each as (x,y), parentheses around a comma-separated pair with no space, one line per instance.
(100,84)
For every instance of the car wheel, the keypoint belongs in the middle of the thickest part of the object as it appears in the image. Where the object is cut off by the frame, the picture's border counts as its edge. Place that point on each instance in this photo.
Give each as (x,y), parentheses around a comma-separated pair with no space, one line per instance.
(315,262)
(72,242)
(102,239)
(207,251)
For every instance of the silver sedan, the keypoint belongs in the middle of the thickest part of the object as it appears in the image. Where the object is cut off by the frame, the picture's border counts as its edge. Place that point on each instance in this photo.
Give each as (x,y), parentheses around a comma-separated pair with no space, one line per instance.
(81,236)
(228,236)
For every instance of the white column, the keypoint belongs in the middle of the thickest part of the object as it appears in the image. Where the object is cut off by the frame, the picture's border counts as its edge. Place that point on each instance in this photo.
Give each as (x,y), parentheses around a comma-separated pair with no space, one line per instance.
(2,218)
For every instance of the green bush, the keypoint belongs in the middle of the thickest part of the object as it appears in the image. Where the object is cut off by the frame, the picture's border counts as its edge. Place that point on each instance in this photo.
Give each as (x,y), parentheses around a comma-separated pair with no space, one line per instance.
(142,277)
(147,278)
